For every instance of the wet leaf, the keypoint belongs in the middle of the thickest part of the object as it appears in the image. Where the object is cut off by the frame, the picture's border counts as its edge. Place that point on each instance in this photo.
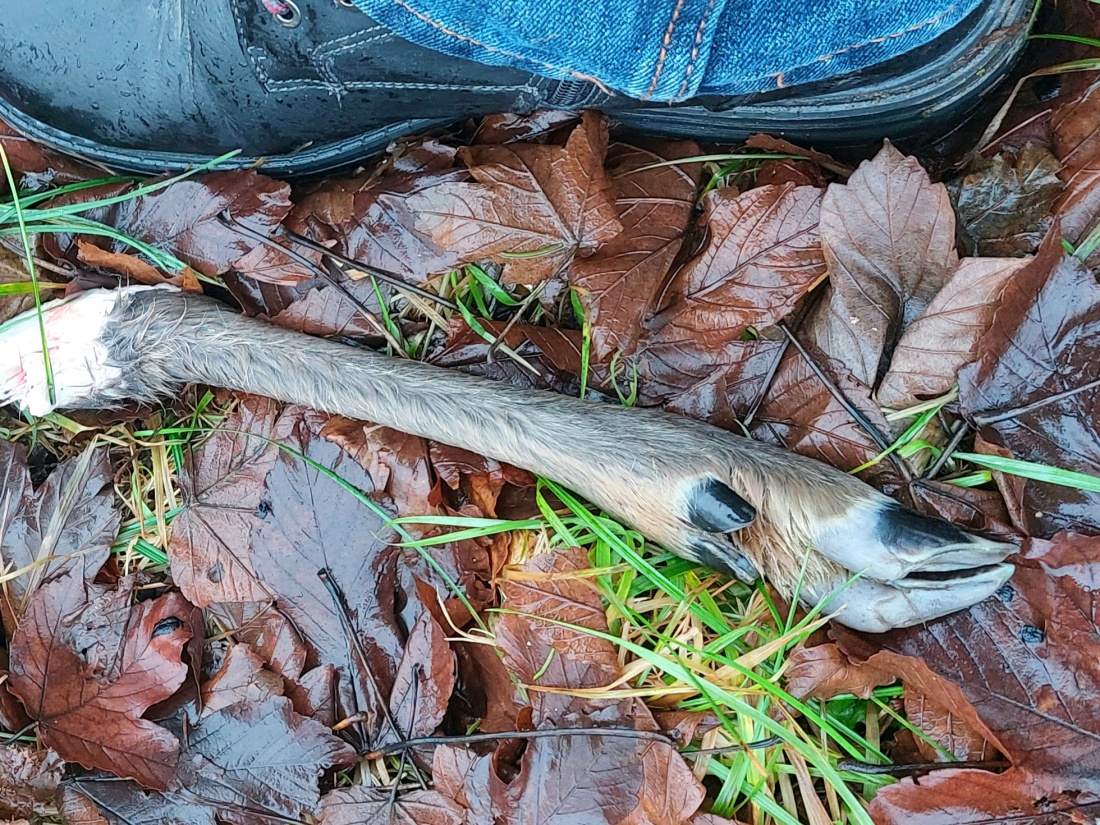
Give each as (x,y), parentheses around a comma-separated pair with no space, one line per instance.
(1021,669)
(764,254)
(29,778)
(967,797)
(371,221)
(424,680)
(945,337)
(68,524)
(359,804)
(509,127)
(714,384)
(551,202)
(1076,130)
(1035,389)
(326,312)
(245,763)
(823,672)
(947,730)
(1004,209)
(310,525)
(553,352)
(618,284)
(182,218)
(223,488)
(241,678)
(548,655)
(90,712)
(268,633)
(800,414)
(889,239)
(43,166)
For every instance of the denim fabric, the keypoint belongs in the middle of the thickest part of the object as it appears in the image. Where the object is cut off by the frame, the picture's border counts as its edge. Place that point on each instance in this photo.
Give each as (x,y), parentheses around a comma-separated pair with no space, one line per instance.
(668,50)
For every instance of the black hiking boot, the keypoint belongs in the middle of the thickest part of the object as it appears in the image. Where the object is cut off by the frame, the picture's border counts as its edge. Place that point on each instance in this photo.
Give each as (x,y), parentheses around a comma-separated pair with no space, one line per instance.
(150,86)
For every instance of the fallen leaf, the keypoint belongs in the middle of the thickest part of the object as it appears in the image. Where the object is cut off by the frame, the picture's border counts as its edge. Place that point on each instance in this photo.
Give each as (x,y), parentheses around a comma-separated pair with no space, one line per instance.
(326,312)
(93,716)
(800,414)
(310,524)
(424,680)
(764,254)
(781,171)
(1004,209)
(509,127)
(358,805)
(967,797)
(68,524)
(770,143)
(1035,388)
(618,284)
(553,352)
(29,158)
(371,221)
(944,339)
(29,778)
(182,218)
(223,489)
(943,727)
(550,202)
(269,634)
(1076,130)
(823,672)
(544,654)
(889,240)
(714,384)
(244,763)
(241,678)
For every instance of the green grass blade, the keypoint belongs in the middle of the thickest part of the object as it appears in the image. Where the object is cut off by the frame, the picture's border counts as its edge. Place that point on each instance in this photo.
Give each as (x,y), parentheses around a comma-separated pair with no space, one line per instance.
(1036,472)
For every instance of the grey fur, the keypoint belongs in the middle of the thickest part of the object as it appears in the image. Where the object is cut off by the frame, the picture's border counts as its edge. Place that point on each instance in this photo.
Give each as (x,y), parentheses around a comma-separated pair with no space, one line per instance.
(640,465)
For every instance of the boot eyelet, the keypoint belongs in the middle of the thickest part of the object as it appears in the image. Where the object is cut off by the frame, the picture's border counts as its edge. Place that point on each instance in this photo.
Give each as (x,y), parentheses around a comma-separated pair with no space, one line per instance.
(289,15)
(347,4)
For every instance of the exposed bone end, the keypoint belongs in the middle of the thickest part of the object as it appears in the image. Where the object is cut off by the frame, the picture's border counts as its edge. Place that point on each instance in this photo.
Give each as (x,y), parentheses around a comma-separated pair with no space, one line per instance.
(77,337)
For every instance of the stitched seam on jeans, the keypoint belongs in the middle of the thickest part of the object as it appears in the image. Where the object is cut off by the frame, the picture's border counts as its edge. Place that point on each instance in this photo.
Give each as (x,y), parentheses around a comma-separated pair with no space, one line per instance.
(695,49)
(451,33)
(872,42)
(663,54)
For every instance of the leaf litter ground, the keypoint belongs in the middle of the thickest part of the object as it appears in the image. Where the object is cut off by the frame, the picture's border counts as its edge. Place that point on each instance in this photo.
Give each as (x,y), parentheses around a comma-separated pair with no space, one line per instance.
(229,611)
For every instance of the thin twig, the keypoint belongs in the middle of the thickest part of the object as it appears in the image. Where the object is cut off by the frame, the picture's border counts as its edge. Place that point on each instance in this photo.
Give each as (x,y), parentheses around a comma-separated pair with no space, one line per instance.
(859,766)
(622,733)
(758,402)
(985,420)
(356,646)
(498,342)
(391,278)
(952,445)
(841,399)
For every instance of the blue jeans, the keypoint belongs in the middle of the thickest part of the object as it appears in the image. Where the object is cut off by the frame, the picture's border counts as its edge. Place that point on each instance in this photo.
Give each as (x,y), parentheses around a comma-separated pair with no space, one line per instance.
(671,50)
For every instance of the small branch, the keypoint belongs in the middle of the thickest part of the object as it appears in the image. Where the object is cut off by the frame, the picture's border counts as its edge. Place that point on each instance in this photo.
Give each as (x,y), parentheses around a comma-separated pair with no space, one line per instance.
(917,768)
(391,278)
(952,445)
(622,733)
(984,420)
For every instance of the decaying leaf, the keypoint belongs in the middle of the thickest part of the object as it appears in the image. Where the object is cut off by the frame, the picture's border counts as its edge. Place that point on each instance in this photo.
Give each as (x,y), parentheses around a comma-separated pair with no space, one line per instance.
(1034,389)
(182,218)
(28,781)
(223,486)
(68,524)
(889,240)
(90,711)
(1004,209)
(619,283)
(764,255)
(967,797)
(945,337)
(549,203)
(359,804)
